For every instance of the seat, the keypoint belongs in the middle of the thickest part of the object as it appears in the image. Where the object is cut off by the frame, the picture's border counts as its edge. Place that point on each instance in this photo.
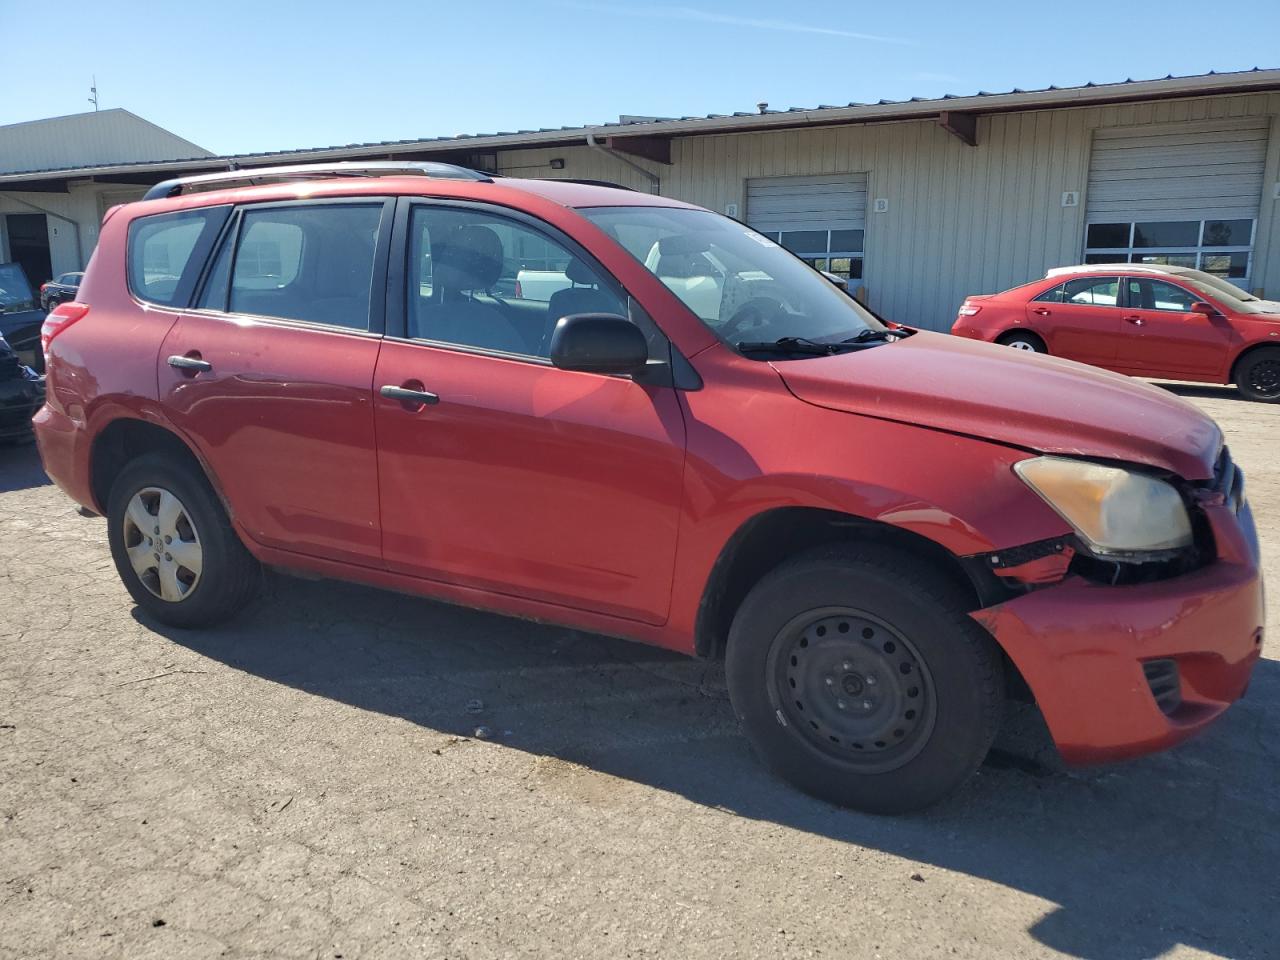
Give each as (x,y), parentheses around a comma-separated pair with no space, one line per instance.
(467,261)
(585,296)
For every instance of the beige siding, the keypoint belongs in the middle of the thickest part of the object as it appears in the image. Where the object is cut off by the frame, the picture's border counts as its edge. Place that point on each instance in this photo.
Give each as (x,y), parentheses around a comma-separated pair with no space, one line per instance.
(961,219)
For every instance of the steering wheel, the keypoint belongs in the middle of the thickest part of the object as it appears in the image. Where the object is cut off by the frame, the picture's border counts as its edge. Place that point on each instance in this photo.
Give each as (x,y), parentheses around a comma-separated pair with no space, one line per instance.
(752,315)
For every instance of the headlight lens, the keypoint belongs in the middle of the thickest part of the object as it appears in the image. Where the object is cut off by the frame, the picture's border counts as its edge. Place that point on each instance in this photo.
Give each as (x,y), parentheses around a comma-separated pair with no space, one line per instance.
(1115,511)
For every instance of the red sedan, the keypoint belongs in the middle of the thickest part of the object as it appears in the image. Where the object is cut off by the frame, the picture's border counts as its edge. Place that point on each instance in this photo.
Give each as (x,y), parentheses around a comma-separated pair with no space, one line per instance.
(1170,323)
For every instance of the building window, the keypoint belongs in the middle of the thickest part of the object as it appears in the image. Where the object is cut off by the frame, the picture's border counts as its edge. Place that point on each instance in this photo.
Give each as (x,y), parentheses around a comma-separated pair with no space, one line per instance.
(1221,247)
(836,251)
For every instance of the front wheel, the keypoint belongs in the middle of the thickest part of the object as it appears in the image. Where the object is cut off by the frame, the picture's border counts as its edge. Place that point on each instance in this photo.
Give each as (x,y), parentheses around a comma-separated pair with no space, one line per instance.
(174,547)
(1258,375)
(858,676)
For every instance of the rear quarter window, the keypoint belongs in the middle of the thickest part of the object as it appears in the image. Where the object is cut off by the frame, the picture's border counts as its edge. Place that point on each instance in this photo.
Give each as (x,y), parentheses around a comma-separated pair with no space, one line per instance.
(166,252)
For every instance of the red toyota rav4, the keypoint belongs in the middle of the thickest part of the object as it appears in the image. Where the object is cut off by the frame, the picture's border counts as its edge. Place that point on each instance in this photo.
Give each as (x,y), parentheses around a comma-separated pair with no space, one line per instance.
(694,440)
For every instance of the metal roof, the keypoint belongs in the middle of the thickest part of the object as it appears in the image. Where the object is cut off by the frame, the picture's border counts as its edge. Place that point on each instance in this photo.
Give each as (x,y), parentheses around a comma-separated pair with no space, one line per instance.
(982,102)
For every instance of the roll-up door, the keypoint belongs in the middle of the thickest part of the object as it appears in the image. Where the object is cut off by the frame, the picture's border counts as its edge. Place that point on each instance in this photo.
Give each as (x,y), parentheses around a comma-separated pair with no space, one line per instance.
(820,218)
(1185,194)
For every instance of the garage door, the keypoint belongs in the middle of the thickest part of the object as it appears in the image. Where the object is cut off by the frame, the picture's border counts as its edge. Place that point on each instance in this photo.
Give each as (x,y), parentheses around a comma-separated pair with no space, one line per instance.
(820,218)
(1182,193)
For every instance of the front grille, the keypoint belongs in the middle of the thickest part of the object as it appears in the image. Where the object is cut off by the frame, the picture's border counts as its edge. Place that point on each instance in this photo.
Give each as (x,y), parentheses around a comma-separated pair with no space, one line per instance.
(1166,685)
(1228,480)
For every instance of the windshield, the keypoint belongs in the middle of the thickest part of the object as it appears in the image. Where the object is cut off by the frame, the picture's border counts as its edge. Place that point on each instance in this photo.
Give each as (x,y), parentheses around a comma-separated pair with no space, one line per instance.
(15,292)
(1217,287)
(742,285)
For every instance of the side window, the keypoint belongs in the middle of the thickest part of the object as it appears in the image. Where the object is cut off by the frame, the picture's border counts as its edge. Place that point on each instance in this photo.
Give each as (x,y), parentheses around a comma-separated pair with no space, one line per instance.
(160,261)
(1052,295)
(310,262)
(480,280)
(1166,296)
(1092,291)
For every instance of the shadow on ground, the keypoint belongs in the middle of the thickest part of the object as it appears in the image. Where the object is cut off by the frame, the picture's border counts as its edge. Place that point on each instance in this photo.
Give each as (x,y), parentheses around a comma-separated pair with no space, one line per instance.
(20,467)
(1137,858)
(1204,391)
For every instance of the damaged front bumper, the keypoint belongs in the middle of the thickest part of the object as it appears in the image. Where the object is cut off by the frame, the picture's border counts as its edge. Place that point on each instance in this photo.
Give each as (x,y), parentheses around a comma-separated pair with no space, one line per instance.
(1120,671)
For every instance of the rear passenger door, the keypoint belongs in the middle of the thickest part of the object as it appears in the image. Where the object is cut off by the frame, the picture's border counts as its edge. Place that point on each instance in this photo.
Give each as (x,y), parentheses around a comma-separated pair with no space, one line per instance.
(270,373)
(1080,319)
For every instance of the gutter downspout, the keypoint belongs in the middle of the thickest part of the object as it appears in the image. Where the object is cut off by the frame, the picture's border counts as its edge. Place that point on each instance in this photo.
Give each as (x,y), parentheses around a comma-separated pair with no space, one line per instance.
(655,182)
(57,216)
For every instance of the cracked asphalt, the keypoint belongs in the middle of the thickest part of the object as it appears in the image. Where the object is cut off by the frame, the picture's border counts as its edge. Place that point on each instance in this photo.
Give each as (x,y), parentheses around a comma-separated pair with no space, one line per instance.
(306,782)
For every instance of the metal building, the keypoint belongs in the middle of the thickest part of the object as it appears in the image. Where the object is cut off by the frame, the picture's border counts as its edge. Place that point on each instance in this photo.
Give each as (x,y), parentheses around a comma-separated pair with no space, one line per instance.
(46,232)
(920,202)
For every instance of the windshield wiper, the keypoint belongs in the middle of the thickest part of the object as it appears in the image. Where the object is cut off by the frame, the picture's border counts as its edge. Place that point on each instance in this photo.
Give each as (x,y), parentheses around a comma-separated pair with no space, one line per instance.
(794,345)
(868,335)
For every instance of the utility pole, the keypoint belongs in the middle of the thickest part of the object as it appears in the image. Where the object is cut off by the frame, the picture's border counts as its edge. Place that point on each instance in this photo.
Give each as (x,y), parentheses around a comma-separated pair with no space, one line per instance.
(94,93)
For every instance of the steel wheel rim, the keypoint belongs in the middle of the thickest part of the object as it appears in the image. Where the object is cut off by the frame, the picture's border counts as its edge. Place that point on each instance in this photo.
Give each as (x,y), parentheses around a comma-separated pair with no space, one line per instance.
(1264,378)
(162,544)
(1022,345)
(841,655)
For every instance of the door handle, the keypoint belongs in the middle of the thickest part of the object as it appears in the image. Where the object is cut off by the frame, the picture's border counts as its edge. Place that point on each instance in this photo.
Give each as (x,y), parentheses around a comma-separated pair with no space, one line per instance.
(1041,311)
(407,396)
(190,363)
(1135,320)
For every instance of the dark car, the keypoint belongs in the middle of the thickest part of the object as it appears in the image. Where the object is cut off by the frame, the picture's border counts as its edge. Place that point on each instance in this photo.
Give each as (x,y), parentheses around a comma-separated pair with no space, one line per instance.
(60,289)
(20,315)
(21,394)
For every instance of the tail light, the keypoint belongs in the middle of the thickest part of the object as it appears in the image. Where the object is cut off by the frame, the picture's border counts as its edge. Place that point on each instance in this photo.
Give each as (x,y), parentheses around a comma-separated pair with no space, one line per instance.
(519,294)
(968,309)
(63,316)
(43,287)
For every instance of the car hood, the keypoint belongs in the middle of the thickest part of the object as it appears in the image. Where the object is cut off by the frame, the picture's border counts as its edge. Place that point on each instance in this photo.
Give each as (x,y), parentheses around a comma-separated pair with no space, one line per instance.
(1013,397)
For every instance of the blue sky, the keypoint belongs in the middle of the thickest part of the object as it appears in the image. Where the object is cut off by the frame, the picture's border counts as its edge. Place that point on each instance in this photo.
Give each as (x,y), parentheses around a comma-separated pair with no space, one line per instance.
(236,76)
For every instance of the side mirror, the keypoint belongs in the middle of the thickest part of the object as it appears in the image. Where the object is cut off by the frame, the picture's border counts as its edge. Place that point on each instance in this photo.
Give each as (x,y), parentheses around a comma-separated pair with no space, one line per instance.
(599,343)
(1204,309)
(838,280)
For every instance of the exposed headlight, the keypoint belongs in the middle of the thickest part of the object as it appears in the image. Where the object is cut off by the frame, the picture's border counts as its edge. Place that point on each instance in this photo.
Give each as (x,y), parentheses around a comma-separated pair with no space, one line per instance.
(1115,511)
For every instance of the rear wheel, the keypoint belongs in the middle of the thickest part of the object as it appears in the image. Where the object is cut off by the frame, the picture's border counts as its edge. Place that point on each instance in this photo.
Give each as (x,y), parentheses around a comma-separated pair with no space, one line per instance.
(1024,341)
(1258,375)
(173,546)
(858,676)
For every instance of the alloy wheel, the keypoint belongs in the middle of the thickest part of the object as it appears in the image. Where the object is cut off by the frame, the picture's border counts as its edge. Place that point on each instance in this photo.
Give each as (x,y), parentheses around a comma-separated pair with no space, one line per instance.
(162,544)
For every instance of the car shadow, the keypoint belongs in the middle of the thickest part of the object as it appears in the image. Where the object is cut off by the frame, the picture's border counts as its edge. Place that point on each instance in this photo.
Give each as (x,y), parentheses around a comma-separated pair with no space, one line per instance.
(1131,859)
(20,468)
(1204,391)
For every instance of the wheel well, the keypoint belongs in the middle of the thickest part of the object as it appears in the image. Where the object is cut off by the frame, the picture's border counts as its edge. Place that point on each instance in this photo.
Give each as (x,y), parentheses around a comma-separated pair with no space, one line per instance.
(123,441)
(1248,352)
(1018,332)
(767,540)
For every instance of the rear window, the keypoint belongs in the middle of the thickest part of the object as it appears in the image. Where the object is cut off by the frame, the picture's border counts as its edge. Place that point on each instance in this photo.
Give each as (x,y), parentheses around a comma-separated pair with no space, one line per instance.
(163,250)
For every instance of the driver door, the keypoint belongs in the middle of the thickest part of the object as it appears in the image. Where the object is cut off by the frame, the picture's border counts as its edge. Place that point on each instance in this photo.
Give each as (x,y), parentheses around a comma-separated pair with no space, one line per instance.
(521,478)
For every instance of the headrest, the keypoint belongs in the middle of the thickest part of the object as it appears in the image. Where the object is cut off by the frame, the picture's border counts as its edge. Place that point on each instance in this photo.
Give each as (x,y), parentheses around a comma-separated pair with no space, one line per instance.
(579,272)
(467,258)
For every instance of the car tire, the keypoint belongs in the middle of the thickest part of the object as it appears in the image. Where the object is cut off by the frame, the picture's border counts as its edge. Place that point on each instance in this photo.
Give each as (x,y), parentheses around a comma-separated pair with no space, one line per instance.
(858,676)
(1024,341)
(1258,375)
(202,575)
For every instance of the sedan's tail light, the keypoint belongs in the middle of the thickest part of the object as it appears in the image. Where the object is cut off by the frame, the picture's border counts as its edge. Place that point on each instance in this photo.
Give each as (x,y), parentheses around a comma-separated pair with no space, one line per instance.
(43,287)
(63,316)
(969,309)
(519,294)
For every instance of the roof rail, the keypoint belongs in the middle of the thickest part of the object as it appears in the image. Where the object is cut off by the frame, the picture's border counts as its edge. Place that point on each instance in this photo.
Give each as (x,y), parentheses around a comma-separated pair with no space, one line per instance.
(313,171)
(592,183)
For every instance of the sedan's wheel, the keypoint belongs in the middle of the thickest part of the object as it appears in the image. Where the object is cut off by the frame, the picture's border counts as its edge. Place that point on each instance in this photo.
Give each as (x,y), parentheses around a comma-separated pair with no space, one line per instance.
(162,543)
(1258,375)
(173,546)
(1021,342)
(858,676)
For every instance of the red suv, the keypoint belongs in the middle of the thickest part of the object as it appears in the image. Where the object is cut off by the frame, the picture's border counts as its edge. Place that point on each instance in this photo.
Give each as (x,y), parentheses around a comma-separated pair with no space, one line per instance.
(1170,323)
(695,441)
